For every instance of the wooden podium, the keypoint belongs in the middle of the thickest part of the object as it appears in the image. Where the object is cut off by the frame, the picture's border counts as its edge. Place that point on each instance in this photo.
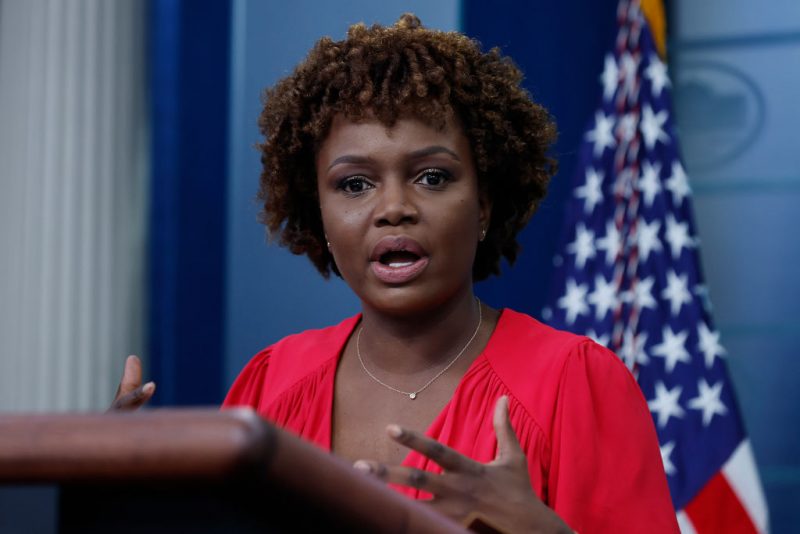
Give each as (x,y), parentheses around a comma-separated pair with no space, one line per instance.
(197,471)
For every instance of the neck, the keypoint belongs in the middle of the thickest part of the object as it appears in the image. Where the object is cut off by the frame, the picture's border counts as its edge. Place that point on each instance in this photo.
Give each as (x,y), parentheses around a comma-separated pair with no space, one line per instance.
(414,342)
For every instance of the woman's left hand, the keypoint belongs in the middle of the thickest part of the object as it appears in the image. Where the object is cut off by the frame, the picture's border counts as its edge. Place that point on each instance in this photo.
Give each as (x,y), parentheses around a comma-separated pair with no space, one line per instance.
(498,492)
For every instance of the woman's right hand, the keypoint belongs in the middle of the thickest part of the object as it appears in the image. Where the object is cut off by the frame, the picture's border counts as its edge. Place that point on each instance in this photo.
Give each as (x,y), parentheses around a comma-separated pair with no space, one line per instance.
(131,393)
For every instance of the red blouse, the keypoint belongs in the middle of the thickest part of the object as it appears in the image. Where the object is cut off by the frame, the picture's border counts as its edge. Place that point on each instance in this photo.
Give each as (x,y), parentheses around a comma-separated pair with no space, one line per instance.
(579,415)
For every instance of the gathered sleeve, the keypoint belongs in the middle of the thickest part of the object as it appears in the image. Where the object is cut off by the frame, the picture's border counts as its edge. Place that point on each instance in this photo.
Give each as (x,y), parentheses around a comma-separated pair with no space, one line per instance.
(606,473)
(290,387)
(249,387)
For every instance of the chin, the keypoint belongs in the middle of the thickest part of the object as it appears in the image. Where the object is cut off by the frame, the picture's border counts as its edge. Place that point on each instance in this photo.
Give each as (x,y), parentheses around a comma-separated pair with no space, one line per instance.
(399,300)
(415,298)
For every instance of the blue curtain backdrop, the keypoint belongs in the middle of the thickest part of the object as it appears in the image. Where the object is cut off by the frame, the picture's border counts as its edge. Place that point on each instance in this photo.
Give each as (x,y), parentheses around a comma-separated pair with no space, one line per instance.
(189,58)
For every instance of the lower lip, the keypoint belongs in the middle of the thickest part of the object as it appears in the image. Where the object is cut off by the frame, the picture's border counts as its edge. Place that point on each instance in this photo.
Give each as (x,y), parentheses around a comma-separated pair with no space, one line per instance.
(398,275)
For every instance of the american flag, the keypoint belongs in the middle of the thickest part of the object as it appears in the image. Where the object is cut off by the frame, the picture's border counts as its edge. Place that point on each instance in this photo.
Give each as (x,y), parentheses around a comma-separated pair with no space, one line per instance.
(628,275)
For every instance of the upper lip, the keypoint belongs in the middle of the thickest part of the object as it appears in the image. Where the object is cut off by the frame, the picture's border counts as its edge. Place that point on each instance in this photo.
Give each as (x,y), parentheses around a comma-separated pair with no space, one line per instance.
(396,244)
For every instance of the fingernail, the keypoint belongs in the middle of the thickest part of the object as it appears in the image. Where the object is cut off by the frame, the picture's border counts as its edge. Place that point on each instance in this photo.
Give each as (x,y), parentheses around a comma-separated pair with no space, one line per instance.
(394,431)
(362,466)
(149,387)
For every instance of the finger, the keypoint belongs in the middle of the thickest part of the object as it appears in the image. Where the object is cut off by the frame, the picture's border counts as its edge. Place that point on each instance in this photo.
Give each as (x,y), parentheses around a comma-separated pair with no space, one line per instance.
(508,446)
(407,476)
(135,399)
(131,376)
(449,459)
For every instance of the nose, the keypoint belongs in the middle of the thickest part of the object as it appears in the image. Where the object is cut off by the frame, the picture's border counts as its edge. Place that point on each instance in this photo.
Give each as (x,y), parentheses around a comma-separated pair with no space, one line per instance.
(396,204)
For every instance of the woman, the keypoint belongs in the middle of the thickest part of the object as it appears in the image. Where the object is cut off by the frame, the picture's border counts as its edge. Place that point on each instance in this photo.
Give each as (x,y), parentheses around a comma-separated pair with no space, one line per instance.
(406,161)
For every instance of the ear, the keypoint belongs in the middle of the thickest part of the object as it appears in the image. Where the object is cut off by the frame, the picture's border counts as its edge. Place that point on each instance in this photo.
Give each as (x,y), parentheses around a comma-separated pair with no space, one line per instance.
(484,209)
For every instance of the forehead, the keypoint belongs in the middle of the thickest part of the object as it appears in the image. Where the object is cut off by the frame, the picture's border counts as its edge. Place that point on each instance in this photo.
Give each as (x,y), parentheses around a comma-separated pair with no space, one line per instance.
(407,134)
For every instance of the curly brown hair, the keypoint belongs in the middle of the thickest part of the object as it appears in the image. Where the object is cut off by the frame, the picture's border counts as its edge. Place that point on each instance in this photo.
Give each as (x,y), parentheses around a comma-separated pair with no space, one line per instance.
(401,71)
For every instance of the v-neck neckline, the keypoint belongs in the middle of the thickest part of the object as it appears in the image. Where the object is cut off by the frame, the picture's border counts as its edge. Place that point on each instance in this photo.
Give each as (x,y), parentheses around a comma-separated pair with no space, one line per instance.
(436,422)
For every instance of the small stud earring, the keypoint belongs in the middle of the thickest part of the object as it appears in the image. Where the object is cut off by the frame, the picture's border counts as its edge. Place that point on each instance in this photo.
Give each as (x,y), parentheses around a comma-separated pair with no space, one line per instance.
(329,244)
(483,235)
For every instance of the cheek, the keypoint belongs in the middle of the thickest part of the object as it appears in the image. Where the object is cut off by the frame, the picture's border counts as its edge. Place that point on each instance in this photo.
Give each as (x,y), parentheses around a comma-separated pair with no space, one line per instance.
(462,217)
(331,212)
(341,222)
(345,231)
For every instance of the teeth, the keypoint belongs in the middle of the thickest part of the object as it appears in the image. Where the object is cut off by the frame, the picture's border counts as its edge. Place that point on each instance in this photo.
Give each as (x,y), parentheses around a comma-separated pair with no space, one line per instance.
(398,264)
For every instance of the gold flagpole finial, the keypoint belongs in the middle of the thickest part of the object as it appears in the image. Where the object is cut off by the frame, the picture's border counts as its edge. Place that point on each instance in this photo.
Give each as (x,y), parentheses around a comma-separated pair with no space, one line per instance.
(654,13)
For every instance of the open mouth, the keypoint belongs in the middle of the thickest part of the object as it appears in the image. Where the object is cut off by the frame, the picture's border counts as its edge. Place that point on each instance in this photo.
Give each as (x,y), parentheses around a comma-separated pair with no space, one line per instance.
(398,258)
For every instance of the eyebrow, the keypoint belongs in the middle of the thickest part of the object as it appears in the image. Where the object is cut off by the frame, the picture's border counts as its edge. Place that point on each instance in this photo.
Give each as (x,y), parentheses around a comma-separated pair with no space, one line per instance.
(349,158)
(421,153)
(435,149)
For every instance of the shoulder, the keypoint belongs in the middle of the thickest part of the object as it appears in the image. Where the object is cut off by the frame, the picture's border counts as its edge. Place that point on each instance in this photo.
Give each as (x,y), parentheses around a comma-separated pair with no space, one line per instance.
(541,365)
(287,362)
(316,345)
(522,346)
(602,450)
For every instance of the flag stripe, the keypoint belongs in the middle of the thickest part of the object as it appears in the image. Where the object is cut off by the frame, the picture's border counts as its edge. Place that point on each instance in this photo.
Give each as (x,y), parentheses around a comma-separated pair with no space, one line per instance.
(716,508)
(685,524)
(740,472)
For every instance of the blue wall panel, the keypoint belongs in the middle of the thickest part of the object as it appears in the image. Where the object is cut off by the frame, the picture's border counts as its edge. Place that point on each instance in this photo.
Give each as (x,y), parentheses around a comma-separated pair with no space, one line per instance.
(736,71)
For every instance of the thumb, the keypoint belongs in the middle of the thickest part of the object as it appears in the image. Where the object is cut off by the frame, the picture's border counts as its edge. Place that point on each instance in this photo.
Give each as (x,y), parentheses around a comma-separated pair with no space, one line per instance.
(508,446)
(131,376)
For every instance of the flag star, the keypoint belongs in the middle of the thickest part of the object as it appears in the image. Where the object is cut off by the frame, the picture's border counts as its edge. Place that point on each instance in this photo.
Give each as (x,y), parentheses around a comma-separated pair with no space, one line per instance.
(632,350)
(708,400)
(602,135)
(647,238)
(600,340)
(666,404)
(656,72)
(604,296)
(677,291)
(677,234)
(652,126)
(574,301)
(666,452)
(583,246)
(709,344)
(611,243)
(591,192)
(678,184)
(642,296)
(672,348)
(610,77)
(650,182)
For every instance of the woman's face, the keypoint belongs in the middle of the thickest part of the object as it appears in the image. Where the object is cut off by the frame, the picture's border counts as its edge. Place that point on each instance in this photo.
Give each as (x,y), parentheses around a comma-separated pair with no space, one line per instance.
(401,210)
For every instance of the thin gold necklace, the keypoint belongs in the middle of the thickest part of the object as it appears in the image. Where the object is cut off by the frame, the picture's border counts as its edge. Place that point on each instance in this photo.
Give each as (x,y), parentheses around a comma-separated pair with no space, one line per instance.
(413,394)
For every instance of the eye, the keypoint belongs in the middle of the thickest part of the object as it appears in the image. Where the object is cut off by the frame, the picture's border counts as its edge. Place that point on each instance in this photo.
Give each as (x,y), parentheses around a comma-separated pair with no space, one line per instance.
(433,177)
(354,185)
